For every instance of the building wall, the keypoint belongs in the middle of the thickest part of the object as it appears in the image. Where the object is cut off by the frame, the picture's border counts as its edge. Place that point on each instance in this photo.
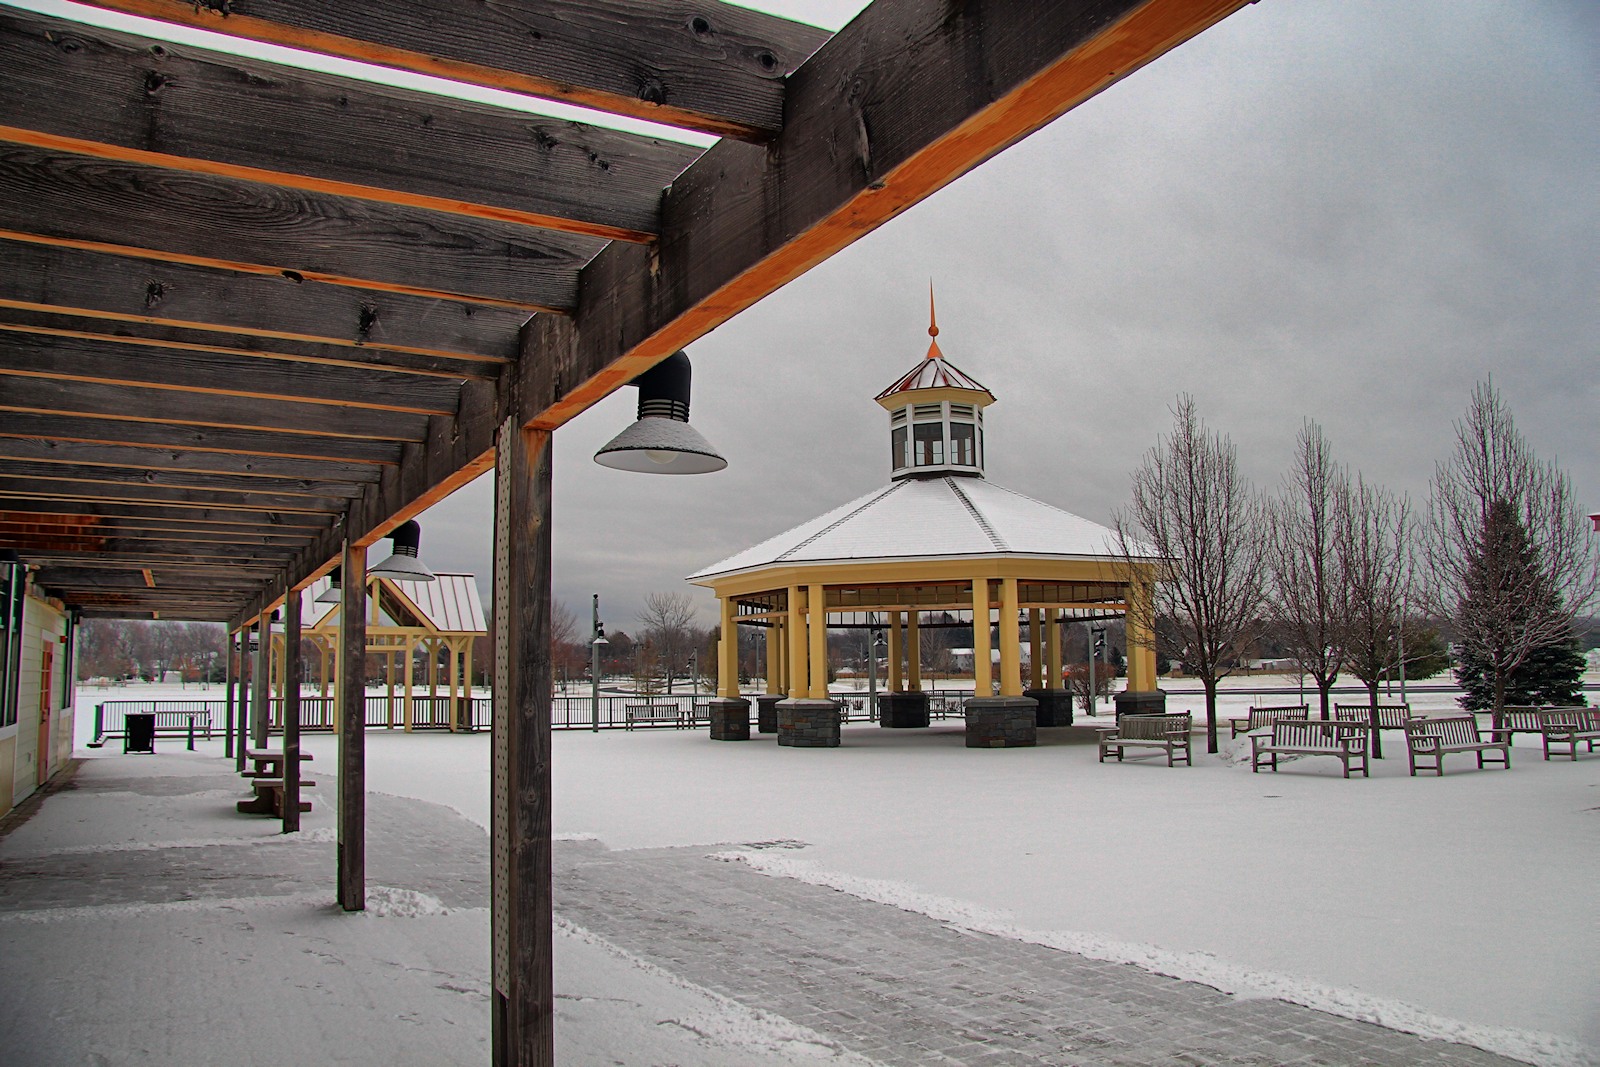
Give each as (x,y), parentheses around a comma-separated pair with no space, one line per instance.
(42,625)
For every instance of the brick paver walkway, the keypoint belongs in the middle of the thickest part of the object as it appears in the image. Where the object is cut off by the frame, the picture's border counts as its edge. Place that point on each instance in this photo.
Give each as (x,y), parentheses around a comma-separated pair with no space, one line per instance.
(905,989)
(891,985)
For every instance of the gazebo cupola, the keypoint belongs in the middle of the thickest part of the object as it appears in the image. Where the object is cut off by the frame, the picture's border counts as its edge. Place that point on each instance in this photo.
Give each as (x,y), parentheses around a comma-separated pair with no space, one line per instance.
(935,416)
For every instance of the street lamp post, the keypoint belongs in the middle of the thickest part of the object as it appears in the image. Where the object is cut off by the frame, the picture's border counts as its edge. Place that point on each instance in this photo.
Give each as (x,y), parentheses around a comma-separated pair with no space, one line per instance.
(694,673)
(873,639)
(598,638)
(1097,641)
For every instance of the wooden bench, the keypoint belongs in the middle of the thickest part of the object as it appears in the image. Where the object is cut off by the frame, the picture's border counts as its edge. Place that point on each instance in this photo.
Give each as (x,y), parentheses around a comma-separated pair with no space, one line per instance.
(1302,737)
(269,798)
(1569,726)
(1390,716)
(1167,732)
(1519,720)
(1263,717)
(1435,738)
(651,715)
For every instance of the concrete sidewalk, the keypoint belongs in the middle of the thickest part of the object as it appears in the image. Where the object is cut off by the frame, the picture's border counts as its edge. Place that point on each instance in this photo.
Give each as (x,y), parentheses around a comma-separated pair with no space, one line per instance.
(154,925)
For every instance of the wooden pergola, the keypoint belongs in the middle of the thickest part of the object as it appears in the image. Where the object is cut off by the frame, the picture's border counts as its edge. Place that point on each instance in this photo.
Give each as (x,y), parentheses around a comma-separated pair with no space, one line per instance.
(254,317)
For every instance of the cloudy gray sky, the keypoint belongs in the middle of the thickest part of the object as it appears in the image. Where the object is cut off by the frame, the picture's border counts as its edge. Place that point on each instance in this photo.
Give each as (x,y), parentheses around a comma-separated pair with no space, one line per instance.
(1343,210)
(1347,210)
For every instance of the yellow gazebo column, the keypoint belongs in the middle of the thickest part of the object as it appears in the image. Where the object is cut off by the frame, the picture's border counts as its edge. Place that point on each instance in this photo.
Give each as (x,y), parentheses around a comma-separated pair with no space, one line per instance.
(817,614)
(410,661)
(1010,641)
(1052,647)
(1035,651)
(913,652)
(774,639)
(1141,646)
(982,678)
(795,663)
(728,651)
(894,652)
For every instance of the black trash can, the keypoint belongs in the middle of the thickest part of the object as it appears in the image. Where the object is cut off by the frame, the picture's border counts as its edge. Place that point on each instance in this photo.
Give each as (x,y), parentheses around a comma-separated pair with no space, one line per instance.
(139,731)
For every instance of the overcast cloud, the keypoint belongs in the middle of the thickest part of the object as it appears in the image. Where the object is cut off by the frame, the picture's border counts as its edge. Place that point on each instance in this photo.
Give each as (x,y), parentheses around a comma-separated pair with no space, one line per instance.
(1348,211)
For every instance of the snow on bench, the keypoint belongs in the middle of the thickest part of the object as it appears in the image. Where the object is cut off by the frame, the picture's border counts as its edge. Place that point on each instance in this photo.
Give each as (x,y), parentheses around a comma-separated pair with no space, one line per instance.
(1300,737)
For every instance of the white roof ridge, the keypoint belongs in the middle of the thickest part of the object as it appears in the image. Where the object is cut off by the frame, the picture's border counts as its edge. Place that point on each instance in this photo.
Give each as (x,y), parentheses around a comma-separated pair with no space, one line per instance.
(977,516)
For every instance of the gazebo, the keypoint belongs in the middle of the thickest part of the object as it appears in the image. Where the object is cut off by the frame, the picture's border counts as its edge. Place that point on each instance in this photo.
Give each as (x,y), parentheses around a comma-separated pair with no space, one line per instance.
(441,618)
(939,542)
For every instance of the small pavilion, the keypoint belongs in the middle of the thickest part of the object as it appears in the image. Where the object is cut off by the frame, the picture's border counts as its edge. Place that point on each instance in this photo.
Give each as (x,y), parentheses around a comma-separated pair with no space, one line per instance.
(939,542)
(441,618)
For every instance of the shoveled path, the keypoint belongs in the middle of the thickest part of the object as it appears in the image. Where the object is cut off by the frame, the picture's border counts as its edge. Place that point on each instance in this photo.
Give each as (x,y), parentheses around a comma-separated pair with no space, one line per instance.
(905,989)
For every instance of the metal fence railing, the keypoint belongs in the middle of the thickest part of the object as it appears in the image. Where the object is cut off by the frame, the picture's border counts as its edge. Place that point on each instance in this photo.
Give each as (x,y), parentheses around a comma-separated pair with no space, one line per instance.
(567,712)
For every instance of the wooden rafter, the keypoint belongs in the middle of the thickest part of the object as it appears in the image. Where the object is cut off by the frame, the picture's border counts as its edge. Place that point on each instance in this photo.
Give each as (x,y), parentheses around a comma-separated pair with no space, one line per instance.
(698,64)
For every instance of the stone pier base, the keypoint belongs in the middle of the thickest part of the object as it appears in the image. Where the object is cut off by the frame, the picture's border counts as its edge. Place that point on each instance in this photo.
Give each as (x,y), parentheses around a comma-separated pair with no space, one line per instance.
(903,710)
(1148,702)
(808,723)
(730,719)
(1002,722)
(1055,706)
(767,712)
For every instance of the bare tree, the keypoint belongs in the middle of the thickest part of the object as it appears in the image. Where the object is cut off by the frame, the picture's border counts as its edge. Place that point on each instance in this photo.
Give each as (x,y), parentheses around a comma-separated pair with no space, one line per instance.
(667,623)
(1308,601)
(1374,537)
(1511,560)
(568,655)
(1193,510)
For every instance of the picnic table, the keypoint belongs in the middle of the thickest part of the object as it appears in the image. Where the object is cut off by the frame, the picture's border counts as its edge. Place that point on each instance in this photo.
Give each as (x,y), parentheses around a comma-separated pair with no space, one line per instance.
(268,762)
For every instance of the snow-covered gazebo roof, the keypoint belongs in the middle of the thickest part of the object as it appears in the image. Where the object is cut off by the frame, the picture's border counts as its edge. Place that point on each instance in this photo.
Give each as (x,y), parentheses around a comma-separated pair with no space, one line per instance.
(928,518)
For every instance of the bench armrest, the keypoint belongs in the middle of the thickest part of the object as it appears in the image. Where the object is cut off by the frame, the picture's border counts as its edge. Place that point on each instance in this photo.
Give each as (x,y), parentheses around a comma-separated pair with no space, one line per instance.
(1423,742)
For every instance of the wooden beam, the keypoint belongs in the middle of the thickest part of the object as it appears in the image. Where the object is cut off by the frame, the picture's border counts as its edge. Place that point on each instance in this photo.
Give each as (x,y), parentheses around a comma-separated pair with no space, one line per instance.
(102,93)
(150,405)
(68,478)
(185,496)
(256,445)
(697,64)
(867,134)
(16,508)
(146,553)
(131,208)
(216,372)
(283,350)
(48,450)
(130,289)
(168,579)
(152,532)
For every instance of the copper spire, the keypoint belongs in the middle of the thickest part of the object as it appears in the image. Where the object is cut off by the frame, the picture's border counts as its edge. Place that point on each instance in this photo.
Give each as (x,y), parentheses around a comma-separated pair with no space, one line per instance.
(933,327)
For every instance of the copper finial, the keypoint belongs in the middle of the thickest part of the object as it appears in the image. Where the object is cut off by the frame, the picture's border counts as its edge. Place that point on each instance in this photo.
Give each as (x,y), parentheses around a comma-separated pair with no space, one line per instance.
(933,322)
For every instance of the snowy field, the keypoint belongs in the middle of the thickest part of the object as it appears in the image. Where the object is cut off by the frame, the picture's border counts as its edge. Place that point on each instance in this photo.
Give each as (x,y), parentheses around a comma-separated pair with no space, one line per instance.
(1458,907)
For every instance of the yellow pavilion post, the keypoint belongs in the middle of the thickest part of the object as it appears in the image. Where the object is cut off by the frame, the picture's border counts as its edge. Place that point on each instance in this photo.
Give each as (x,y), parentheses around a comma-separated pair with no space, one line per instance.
(982,678)
(1010,641)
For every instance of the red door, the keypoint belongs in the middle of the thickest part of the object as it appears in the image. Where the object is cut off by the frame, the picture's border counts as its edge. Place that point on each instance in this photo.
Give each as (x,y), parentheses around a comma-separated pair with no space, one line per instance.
(45,671)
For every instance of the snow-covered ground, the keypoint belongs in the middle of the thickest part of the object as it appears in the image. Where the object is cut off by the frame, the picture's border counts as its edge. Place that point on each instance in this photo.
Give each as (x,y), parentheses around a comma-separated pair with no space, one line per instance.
(1459,907)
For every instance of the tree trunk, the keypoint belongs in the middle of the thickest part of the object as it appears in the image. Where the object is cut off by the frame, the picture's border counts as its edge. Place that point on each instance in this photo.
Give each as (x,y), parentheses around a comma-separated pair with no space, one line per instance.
(1372,706)
(1211,715)
(1497,713)
(1323,688)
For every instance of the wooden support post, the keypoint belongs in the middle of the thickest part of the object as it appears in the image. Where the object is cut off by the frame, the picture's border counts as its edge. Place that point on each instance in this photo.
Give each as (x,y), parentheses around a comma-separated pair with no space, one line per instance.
(817,611)
(229,677)
(260,728)
(353,731)
(1141,642)
(291,710)
(982,671)
(244,698)
(1010,641)
(521,931)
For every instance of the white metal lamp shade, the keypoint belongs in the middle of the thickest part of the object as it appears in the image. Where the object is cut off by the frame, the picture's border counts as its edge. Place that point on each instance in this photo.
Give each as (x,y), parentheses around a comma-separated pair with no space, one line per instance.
(334,593)
(404,566)
(662,441)
(660,445)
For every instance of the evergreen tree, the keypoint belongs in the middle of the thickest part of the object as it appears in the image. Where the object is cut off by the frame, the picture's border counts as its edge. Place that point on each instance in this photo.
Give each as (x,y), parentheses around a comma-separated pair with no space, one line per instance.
(1551,676)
